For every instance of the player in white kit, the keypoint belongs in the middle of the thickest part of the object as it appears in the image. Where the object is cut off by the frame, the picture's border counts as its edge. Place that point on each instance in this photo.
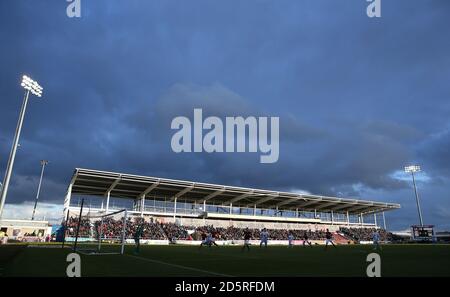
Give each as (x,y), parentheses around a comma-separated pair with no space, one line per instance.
(376,239)
(291,239)
(264,237)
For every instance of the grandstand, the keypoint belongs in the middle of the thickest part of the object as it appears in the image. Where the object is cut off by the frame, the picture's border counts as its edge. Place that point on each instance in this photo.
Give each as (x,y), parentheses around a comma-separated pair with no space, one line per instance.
(182,206)
(181,212)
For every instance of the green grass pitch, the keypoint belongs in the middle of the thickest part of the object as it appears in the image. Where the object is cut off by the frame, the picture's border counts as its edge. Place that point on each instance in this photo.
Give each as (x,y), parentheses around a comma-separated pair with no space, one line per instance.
(177,260)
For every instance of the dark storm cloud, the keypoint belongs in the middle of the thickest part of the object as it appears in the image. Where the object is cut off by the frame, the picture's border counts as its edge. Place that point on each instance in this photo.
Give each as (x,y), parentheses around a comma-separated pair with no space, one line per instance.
(434,153)
(357,98)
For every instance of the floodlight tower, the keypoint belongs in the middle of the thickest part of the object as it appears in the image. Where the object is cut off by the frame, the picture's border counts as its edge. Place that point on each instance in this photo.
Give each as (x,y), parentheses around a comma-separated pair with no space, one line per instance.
(43,163)
(34,88)
(412,169)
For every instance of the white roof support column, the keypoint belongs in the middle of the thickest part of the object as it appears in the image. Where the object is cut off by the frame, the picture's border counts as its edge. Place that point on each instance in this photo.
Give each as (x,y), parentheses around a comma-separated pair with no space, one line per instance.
(287,201)
(145,193)
(344,205)
(142,205)
(214,194)
(332,218)
(204,205)
(362,219)
(311,202)
(325,205)
(231,208)
(375,219)
(268,198)
(240,197)
(384,221)
(67,200)
(182,192)
(108,193)
(254,210)
(360,207)
(69,194)
(348,220)
(174,208)
(150,188)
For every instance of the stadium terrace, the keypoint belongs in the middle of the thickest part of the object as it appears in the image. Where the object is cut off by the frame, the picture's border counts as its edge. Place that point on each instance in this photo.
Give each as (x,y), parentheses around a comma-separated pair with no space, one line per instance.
(188,202)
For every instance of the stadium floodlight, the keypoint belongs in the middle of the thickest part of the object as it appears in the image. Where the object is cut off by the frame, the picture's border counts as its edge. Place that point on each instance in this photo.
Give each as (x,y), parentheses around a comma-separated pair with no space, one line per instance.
(43,163)
(412,169)
(34,88)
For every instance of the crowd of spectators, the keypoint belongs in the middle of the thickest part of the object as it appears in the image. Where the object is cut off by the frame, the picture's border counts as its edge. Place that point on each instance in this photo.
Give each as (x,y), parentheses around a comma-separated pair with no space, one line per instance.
(152,230)
(233,233)
(112,228)
(85,227)
(366,234)
(174,231)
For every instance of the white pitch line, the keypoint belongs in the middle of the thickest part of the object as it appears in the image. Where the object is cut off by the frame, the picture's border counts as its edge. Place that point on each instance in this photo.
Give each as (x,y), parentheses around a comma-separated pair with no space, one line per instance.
(180,266)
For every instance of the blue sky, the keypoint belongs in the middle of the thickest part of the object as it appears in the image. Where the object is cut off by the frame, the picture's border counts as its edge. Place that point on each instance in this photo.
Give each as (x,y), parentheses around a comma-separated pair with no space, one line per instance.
(358,98)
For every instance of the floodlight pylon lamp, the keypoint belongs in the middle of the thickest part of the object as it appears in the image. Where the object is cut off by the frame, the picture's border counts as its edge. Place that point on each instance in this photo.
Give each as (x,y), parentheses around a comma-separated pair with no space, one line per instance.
(32,86)
(412,168)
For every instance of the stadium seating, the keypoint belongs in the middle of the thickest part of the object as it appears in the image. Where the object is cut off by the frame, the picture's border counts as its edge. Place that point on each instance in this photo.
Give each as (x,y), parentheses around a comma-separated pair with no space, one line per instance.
(250,224)
(365,234)
(153,229)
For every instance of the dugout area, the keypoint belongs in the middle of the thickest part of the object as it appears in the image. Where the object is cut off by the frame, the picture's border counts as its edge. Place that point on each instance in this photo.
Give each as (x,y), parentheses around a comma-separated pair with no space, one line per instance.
(41,260)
